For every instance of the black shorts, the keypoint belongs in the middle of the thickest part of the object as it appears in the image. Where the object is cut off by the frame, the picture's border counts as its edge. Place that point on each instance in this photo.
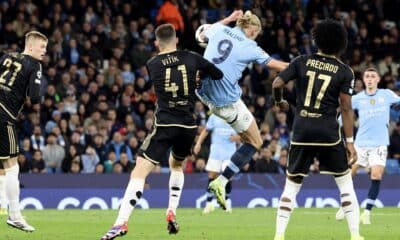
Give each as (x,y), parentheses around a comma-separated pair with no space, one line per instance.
(332,159)
(162,139)
(8,141)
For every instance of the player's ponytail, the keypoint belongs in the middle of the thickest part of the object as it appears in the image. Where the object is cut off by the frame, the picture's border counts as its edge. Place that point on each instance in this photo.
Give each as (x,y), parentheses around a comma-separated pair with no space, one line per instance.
(248,19)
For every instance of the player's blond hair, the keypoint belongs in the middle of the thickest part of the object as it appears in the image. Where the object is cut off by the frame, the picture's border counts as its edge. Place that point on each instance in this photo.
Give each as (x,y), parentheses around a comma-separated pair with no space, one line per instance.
(248,19)
(35,35)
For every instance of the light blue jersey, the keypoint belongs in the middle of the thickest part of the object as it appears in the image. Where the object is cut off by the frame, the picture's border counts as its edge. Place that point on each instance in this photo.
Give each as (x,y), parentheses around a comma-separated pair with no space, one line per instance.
(373,111)
(231,51)
(221,147)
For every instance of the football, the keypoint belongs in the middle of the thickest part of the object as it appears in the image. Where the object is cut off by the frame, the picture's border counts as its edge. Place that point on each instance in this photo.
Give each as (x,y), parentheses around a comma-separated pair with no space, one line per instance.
(202,42)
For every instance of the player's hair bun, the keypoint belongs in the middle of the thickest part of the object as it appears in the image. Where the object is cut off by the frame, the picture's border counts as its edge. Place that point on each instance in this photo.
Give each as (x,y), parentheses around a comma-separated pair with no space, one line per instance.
(248,19)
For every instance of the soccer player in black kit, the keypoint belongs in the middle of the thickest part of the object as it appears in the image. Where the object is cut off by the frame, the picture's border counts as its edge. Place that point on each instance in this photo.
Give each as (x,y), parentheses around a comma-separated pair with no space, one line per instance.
(173,73)
(20,76)
(323,83)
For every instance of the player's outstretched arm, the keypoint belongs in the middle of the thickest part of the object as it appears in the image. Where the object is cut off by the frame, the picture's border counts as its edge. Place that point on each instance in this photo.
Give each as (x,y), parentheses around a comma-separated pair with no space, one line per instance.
(277,65)
(200,140)
(235,15)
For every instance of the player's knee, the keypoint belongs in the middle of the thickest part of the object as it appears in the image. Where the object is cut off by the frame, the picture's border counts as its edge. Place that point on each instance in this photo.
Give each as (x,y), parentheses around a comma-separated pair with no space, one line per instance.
(176,165)
(256,142)
(376,175)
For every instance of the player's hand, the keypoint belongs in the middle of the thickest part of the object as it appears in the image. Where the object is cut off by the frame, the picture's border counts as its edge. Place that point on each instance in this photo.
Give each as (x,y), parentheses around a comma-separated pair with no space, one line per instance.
(235,15)
(196,149)
(351,153)
(283,105)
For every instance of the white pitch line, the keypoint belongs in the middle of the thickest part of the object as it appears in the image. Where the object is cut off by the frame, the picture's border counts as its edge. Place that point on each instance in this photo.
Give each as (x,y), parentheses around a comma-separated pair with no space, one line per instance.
(375,214)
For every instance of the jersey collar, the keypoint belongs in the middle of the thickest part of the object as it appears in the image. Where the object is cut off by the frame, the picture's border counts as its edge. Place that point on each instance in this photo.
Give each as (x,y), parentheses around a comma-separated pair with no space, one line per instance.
(370,95)
(326,55)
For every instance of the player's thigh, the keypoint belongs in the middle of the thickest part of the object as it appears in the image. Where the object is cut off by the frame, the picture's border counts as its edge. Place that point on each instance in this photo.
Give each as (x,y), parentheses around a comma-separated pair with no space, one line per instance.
(214,165)
(237,115)
(182,143)
(8,141)
(333,159)
(378,156)
(362,156)
(157,144)
(300,160)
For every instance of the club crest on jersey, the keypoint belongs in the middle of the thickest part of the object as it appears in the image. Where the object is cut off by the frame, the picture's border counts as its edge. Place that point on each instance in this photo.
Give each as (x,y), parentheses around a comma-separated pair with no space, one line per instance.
(372,101)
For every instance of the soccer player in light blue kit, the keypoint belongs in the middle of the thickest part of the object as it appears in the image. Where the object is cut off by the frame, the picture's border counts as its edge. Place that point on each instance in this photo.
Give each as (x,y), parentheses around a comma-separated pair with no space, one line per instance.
(223,145)
(231,50)
(372,137)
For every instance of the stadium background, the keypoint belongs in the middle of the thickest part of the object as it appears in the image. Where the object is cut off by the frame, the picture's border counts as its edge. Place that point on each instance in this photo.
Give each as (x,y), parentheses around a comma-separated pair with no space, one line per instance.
(98,103)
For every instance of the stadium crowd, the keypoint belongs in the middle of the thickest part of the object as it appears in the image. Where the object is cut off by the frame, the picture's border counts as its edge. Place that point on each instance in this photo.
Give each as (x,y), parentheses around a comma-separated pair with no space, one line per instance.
(98,101)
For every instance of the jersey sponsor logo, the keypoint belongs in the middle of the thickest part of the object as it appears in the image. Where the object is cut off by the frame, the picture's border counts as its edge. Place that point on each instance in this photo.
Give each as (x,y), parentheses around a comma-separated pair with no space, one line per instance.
(305,113)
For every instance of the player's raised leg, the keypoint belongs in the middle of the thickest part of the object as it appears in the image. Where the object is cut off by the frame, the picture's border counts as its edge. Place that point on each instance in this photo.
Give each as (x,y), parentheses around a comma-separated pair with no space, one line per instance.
(251,137)
(132,195)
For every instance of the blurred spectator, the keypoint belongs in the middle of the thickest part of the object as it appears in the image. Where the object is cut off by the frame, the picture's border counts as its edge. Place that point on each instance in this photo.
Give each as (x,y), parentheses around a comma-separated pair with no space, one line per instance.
(99,168)
(75,165)
(169,13)
(117,168)
(118,146)
(27,149)
(127,166)
(265,164)
(24,164)
(109,163)
(37,140)
(89,160)
(56,117)
(53,154)
(100,147)
(38,165)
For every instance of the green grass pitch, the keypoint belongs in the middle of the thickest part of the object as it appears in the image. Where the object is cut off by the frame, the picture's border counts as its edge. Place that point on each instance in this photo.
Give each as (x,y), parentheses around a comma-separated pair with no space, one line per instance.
(240,224)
